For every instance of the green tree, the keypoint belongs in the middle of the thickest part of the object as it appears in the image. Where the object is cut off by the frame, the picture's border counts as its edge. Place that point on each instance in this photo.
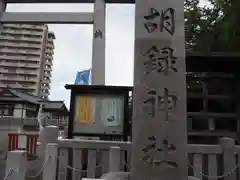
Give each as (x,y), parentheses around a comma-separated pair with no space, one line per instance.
(212,28)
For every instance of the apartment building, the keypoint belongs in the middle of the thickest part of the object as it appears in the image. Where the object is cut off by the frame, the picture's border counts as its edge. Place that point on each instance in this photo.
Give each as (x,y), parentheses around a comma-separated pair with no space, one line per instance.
(26,55)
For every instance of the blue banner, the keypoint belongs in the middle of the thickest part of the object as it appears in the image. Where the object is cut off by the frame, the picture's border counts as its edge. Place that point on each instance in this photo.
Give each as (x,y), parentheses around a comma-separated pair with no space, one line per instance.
(83,77)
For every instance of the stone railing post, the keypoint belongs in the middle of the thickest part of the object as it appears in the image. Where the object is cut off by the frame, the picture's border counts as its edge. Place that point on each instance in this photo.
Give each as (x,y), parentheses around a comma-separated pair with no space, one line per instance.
(48,134)
(114,159)
(229,159)
(65,132)
(50,162)
(16,165)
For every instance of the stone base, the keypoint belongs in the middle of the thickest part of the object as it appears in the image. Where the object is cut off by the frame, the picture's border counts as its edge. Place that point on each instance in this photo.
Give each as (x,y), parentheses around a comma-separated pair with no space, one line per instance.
(125,176)
(116,176)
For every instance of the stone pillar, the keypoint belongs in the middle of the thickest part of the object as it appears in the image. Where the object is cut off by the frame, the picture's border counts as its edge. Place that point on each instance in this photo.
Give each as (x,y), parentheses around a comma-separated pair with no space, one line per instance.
(51,158)
(48,134)
(159,108)
(229,157)
(16,165)
(114,159)
(98,58)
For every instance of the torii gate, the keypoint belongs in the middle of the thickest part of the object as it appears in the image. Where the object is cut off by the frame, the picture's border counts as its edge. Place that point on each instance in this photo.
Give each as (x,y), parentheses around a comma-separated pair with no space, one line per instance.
(159,109)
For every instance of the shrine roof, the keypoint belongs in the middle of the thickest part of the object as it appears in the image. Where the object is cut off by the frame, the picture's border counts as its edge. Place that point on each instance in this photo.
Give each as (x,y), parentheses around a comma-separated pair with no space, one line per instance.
(14,95)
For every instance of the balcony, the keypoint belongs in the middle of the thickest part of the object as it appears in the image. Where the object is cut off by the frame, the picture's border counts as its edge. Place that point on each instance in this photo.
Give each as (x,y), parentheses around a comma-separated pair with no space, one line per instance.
(29,65)
(23,32)
(21,58)
(25,26)
(27,39)
(46,81)
(20,51)
(23,86)
(45,88)
(50,45)
(19,64)
(17,78)
(27,72)
(50,40)
(48,68)
(47,73)
(17,86)
(19,71)
(44,95)
(9,64)
(3,85)
(48,62)
(49,51)
(20,45)
(50,57)
(45,92)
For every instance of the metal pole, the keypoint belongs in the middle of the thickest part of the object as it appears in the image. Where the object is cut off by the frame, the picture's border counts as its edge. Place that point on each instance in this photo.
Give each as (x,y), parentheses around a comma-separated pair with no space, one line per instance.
(159,108)
(98,58)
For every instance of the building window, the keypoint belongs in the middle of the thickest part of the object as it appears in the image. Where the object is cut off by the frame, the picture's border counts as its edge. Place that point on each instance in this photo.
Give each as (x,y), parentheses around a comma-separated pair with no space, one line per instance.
(31,114)
(6,110)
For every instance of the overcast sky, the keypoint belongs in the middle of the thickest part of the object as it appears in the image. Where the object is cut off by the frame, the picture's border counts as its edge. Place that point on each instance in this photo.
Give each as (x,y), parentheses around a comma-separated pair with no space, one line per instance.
(73,45)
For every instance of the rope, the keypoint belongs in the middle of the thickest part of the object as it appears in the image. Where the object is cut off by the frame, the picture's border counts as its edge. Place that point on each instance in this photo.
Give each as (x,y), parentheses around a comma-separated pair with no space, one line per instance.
(42,168)
(127,165)
(80,170)
(10,171)
(215,177)
(205,175)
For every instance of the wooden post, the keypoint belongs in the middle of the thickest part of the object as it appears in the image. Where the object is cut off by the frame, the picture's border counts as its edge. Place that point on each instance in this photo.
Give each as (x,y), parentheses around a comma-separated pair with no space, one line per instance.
(114,159)
(159,108)
(16,165)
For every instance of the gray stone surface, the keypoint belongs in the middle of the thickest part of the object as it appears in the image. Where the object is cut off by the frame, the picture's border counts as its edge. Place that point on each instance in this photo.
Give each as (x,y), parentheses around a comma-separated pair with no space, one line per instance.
(125,176)
(116,176)
(16,165)
(159,109)
(98,58)
(48,134)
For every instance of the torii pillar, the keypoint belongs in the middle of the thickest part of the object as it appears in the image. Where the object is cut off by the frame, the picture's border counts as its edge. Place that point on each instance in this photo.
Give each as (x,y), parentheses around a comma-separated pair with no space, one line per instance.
(99,43)
(159,111)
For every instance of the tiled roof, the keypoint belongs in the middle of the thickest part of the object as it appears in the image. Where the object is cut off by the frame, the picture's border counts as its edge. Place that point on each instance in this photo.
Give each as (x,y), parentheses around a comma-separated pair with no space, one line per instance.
(25,96)
(36,100)
(53,104)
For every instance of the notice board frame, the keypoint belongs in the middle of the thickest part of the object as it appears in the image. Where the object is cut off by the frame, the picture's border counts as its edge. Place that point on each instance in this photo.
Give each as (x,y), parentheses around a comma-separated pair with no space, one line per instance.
(77,90)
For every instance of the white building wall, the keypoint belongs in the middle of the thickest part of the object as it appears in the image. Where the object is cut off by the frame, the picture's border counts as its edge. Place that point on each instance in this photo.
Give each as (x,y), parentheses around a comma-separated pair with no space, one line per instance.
(19,111)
